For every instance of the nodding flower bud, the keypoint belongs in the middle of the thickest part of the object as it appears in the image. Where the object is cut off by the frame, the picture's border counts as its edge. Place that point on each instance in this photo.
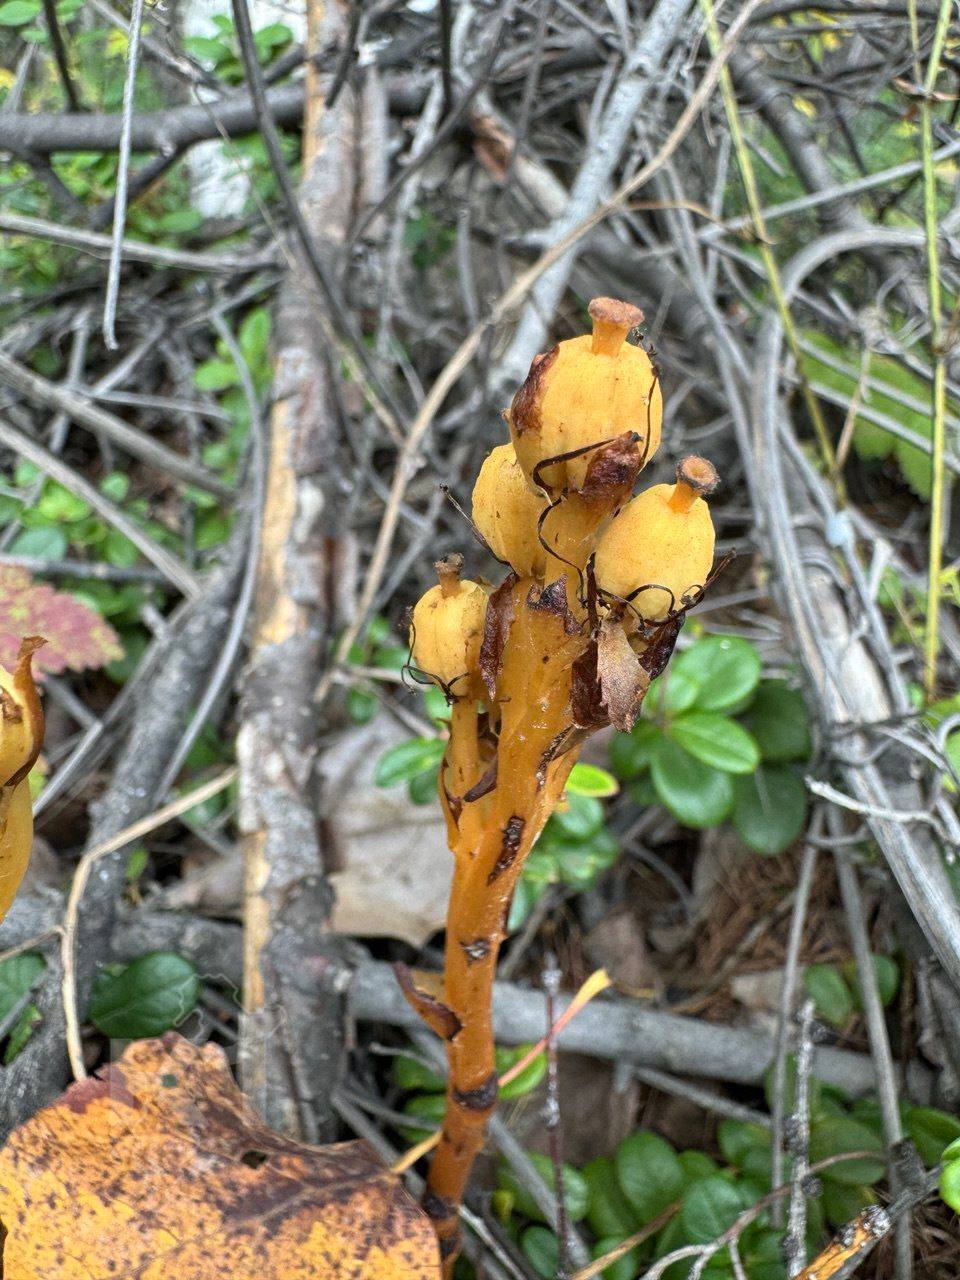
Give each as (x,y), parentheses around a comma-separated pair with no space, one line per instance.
(586,391)
(662,541)
(21,737)
(506,510)
(447,629)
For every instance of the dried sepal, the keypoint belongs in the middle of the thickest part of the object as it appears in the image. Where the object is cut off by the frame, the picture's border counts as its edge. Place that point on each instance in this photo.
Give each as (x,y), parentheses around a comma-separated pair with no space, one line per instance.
(501,608)
(438,1017)
(623,681)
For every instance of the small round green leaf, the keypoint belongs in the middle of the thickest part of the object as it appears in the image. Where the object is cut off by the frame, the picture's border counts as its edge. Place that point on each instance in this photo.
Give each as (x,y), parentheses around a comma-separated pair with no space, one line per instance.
(529,1077)
(649,1173)
(777,718)
(950,1185)
(716,740)
(17,976)
(48,542)
(630,752)
(574,1188)
(770,807)
(933,1131)
(608,1212)
(580,819)
(724,669)
(625,1267)
(591,780)
(709,1207)
(826,988)
(841,1203)
(412,1073)
(737,1137)
(407,759)
(428,1108)
(695,794)
(834,1135)
(17,13)
(542,1250)
(696,1165)
(147,997)
(887,973)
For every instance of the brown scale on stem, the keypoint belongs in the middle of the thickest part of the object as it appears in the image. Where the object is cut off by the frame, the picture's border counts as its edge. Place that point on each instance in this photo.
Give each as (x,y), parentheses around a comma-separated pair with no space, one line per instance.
(569,641)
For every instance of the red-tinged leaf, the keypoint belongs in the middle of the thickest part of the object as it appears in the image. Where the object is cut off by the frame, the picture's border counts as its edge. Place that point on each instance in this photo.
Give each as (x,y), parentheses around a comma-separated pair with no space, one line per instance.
(76,636)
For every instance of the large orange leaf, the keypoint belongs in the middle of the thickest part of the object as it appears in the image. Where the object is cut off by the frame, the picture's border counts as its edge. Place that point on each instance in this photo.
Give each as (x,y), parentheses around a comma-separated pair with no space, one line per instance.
(158,1168)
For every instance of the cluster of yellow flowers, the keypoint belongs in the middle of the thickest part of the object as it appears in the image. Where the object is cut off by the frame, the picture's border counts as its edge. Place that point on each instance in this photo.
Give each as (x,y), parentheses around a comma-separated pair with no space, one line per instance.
(555,501)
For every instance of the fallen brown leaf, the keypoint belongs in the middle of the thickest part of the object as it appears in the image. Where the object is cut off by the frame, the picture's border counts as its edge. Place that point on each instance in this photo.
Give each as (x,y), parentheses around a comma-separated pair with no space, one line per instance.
(158,1167)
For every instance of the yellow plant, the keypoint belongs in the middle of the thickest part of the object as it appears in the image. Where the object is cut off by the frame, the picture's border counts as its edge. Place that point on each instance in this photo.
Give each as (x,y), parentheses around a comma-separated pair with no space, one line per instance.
(598,588)
(21,737)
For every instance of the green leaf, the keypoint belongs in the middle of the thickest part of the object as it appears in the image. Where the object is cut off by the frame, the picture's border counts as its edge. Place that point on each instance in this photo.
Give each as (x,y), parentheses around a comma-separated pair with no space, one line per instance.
(591,780)
(630,752)
(841,1203)
(254,336)
(888,979)
(119,550)
(423,788)
(932,1131)
(649,1173)
(435,704)
(828,991)
(17,976)
(581,819)
(206,48)
(362,705)
(542,1250)
(524,896)
(676,692)
(950,1183)
(762,1256)
(407,759)
(529,1077)
(115,486)
(58,504)
(21,1032)
(149,996)
(181,221)
(49,543)
(737,1137)
(17,13)
(695,794)
(723,669)
(696,1165)
(716,740)
(216,375)
(770,807)
(709,1207)
(574,1188)
(413,1073)
(777,719)
(608,1212)
(835,1134)
(625,1268)
(427,1107)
